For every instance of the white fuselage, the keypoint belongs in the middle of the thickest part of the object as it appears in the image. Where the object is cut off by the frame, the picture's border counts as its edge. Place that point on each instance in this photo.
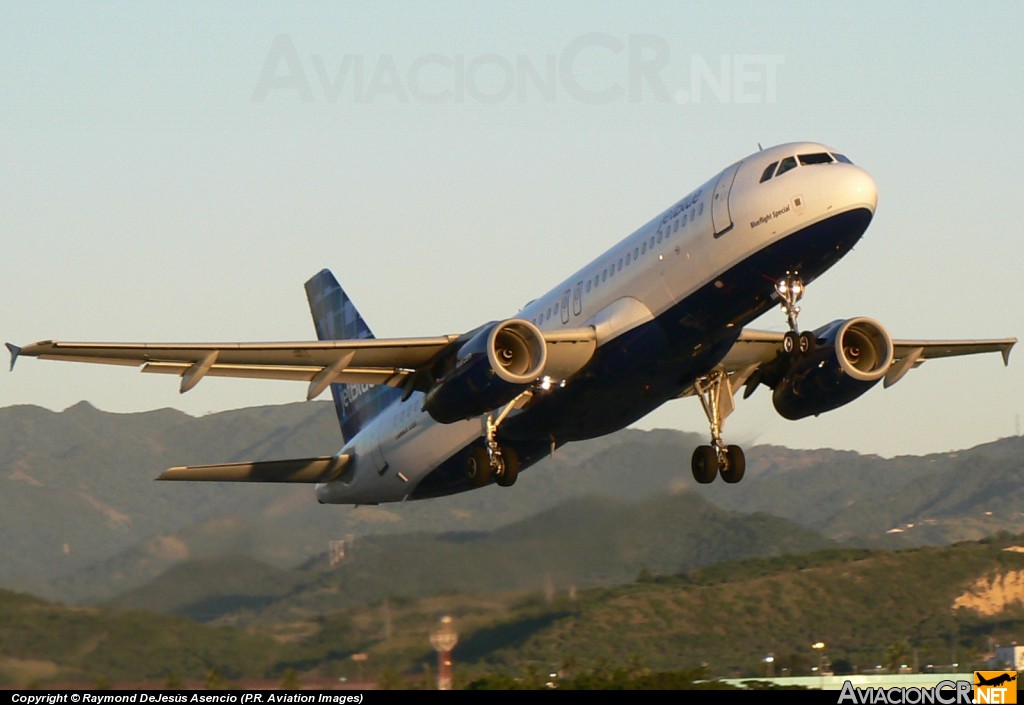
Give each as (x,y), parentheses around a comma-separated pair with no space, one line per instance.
(714,227)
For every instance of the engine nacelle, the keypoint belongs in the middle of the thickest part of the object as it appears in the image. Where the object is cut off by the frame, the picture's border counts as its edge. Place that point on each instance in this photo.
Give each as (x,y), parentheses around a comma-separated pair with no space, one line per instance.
(850,358)
(489,370)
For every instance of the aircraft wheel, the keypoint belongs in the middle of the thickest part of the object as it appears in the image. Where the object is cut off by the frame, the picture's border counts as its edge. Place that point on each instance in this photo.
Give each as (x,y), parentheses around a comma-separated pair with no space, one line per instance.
(510,468)
(478,466)
(789,342)
(806,342)
(704,464)
(735,464)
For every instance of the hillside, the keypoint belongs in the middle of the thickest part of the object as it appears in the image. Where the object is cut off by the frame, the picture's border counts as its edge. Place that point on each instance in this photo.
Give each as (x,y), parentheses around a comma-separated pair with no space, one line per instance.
(905,501)
(581,543)
(929,606)
(42,642)
(925,606)
(860,605)
(84,520)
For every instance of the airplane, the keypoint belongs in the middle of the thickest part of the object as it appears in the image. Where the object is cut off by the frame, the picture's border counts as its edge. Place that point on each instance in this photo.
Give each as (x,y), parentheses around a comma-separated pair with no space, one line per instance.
(996,680)
(658,316)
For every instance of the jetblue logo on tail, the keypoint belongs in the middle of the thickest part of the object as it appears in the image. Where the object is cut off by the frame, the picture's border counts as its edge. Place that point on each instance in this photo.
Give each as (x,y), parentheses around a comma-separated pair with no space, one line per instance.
(335,318)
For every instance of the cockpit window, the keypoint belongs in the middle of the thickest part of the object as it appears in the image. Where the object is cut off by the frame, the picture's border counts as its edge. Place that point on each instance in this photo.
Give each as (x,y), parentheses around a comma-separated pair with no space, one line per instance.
(785,165)
(768,172)
(817,158)
(841,158)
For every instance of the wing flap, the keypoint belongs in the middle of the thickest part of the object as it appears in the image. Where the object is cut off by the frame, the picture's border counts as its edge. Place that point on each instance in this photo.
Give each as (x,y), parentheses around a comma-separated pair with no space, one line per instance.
(296,373)
(308,470)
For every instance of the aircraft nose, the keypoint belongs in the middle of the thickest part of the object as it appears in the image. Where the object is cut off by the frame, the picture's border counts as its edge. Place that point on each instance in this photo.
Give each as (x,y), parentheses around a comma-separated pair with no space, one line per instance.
(860,187)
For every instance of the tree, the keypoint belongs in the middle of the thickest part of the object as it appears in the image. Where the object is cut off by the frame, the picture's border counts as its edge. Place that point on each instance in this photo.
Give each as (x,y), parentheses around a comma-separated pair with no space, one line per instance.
(290,680)
(896,655)
(214,680)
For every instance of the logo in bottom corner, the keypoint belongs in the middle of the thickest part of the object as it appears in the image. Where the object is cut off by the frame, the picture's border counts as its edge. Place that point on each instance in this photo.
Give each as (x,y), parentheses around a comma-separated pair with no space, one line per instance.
(995,686)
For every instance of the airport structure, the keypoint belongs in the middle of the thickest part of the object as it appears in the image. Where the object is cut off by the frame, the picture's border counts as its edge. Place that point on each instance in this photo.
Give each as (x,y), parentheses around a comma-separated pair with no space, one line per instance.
(834,682)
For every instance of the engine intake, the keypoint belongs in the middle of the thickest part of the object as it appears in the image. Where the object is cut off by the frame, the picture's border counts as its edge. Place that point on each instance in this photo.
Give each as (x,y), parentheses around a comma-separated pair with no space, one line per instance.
(494,365)
(851,357)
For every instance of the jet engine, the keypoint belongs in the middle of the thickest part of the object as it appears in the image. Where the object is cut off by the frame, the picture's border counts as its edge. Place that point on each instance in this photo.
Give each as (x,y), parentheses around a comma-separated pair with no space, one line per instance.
(493,366)
(848,359)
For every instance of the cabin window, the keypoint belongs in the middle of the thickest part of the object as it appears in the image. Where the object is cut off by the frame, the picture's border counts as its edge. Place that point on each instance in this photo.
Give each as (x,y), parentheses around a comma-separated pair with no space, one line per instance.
(676,226)
(652,242)
(816,158)
(643,249)
(627,259)
(768,172)
(636,252)
(604,275)
(693,214)
(785,165)
(841,158)
(700,208)
(588,286)
(620,264)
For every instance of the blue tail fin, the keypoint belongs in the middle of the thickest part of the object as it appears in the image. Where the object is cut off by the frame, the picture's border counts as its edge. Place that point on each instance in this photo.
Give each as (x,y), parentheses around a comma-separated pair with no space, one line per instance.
(336,318)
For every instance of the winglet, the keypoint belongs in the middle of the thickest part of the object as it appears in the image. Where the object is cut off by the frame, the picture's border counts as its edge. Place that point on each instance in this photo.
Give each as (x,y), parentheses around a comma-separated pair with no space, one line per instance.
(15,351)
(1006,352)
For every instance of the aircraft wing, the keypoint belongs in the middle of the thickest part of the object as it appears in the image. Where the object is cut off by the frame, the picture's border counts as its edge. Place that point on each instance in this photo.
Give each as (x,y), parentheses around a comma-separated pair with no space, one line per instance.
(366,361)
(389,361)
(754,348)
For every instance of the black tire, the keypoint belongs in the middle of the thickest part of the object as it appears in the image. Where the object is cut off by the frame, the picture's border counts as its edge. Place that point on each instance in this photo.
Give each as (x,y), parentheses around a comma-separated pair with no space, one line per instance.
(510,470)
(789,342)
(704,464)
(735,465)
(478,467)
(806,343)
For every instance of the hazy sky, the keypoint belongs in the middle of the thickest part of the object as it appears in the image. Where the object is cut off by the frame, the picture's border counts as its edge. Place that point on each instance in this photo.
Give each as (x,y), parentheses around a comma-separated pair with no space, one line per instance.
(176,171)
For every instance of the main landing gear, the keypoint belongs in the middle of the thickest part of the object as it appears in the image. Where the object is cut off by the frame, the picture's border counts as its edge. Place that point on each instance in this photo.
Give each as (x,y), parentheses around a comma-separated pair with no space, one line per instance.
(491,460)
(708,461)
(716,393)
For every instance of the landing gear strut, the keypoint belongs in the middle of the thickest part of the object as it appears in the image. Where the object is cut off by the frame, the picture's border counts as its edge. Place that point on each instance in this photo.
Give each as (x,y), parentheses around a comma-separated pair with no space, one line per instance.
(790,290)
(492,460)
(708,461)
(715,391)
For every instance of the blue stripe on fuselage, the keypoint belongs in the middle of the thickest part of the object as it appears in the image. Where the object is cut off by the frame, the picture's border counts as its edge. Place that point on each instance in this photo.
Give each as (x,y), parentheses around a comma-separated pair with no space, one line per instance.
(639,371)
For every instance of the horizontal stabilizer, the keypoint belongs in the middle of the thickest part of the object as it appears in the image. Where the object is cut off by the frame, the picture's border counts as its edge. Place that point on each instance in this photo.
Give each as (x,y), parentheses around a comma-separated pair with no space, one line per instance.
(322,469)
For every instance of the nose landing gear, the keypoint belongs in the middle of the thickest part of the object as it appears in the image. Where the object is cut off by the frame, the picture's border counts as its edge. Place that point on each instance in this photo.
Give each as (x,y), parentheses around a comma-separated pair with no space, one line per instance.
(790,290)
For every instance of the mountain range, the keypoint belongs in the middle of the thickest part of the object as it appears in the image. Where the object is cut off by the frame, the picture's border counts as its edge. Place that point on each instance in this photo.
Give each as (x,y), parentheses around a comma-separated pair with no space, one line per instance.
(84,520)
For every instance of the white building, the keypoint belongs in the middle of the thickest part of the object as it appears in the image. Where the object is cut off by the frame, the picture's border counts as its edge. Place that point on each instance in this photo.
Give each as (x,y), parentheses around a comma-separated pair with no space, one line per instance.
(1009,657)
